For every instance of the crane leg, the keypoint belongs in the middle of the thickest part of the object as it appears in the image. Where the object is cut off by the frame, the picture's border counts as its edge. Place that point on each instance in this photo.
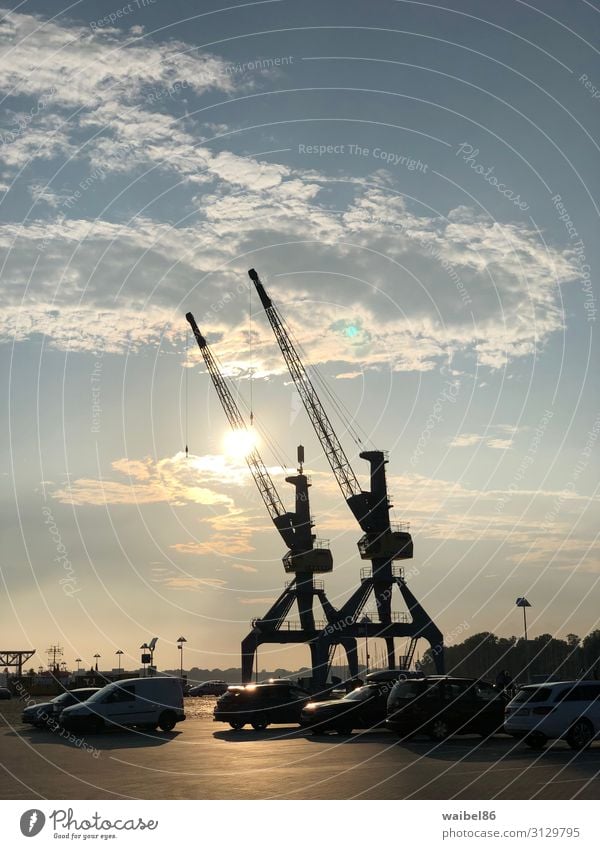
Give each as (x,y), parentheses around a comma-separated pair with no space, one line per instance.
(391,657)
(249,646)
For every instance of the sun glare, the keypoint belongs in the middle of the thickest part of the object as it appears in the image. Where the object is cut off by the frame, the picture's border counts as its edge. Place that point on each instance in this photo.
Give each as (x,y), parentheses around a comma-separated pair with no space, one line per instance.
(239,443)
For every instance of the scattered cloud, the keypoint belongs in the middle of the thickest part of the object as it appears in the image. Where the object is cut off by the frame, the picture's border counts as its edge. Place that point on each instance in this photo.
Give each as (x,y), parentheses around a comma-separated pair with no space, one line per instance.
(171,480)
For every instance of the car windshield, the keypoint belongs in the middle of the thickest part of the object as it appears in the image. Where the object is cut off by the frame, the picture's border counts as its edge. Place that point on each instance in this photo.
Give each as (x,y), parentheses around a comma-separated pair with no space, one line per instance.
(533,694)
(64,697)
(408,689)
(101,694)
(359,695)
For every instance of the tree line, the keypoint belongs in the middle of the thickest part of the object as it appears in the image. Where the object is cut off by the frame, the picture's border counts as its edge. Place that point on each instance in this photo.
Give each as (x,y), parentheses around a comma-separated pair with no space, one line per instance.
(485,656)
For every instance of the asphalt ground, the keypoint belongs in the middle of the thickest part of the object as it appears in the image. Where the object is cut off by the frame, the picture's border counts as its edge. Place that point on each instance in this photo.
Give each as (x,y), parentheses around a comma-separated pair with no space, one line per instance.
(202,759)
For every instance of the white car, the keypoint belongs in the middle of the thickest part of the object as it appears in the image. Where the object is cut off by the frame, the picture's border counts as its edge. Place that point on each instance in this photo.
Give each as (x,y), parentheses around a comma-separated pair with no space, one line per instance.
(565,710)
(143,702)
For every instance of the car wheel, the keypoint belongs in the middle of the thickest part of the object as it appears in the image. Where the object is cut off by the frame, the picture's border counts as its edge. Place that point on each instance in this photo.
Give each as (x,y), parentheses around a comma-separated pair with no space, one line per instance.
(167,720)
(580,735)
(439,730)
(237,724)
(260,723)
(536,741)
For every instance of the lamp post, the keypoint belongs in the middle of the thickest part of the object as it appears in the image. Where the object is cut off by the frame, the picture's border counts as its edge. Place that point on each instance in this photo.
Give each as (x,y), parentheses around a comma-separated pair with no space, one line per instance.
(119,653)
(78,661)
(180,642)
(97,657)
(144,647)
(522,602)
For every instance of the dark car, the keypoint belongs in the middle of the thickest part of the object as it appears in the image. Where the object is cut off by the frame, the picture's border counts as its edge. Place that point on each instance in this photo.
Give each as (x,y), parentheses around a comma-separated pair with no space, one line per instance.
(261,704)
(441,705)
(208,688)
(364,707)
(5,693)
(47,713)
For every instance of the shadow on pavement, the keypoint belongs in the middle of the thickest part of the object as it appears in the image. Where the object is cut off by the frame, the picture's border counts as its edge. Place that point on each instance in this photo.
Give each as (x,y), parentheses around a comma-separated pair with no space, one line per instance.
(102,741)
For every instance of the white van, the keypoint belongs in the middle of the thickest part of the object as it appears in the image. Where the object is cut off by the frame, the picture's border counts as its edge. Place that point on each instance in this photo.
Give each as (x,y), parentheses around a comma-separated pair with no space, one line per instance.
(143,702)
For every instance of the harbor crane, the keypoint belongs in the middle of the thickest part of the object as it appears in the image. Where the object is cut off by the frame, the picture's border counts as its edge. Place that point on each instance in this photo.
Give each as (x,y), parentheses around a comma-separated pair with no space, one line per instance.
(306,557)
(382,543)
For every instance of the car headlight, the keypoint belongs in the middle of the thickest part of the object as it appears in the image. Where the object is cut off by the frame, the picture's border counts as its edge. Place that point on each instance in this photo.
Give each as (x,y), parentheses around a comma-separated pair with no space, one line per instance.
(310,706)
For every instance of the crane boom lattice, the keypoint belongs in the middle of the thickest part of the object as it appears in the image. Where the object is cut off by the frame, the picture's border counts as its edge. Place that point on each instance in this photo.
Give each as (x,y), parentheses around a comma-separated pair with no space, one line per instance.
(261,476)
(336,456)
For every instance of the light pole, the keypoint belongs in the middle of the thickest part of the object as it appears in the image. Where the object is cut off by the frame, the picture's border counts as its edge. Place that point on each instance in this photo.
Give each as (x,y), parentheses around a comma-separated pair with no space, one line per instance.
(97,657)
(522,602)
(119,653)
(180,642)
(144,647)
(78,661)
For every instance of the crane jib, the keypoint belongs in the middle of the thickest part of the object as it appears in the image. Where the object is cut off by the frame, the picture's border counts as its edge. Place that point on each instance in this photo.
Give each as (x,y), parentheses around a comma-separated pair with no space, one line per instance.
(340,465)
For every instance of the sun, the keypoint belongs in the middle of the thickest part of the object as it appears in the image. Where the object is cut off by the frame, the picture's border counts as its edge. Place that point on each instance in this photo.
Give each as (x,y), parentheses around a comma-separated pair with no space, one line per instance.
(239,443)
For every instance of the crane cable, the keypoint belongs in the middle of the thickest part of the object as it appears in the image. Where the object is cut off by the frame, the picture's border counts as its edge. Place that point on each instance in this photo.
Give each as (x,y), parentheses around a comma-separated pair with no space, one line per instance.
(250,345)
(186,413)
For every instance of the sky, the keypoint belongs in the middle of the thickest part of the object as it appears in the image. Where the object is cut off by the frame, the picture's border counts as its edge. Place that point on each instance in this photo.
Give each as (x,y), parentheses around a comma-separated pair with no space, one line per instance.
(417,186)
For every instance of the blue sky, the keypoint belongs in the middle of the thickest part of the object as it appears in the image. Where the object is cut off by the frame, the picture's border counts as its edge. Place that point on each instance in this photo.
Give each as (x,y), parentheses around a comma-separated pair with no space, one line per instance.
(417,186)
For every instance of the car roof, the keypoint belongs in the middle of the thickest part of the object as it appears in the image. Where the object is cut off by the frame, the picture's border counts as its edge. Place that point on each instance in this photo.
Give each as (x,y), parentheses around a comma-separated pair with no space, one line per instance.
(560,683)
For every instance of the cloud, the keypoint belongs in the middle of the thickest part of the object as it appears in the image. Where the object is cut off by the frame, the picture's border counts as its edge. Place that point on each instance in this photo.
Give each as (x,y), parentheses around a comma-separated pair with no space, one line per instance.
(243,567)
(257,600)
(170,480)
(415,289)
(175,581)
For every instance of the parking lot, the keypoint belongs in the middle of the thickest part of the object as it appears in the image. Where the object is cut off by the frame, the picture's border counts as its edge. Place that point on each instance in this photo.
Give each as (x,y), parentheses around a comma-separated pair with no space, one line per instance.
(206,760)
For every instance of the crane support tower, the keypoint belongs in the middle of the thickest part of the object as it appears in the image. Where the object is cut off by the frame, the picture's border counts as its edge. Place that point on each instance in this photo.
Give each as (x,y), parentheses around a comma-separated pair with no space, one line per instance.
(382,543)
(306,557)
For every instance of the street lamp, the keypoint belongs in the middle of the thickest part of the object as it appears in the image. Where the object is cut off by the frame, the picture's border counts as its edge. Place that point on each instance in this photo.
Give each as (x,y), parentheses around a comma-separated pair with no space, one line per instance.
(522,602)
(144,647)
(180,642)
(78,661)
(97,656)
(119,653)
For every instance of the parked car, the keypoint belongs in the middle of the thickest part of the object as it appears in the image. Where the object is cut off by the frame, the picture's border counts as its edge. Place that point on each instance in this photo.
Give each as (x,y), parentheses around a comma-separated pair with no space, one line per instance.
(568,710)
(5,693)
(208,688)
(442,705)
(48,713)
(141,702)
(364,707)
(261,704)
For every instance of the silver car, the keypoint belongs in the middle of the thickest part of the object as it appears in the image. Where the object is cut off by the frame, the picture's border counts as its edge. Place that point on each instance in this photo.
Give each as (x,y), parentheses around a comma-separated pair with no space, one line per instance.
(564,710)
(47,713)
